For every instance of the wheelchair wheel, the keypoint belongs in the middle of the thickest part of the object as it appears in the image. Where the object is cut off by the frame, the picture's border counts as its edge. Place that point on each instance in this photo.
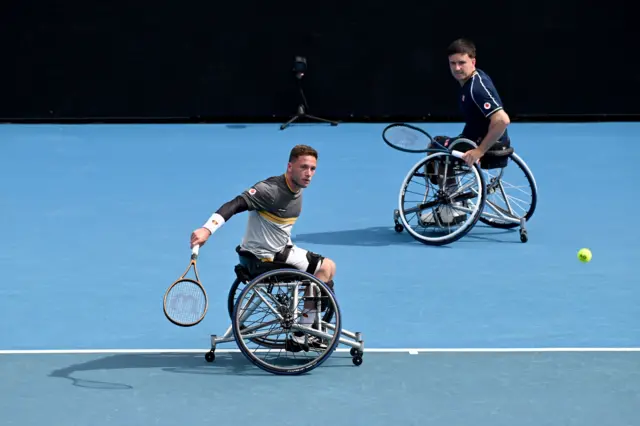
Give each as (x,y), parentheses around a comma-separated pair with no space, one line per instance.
(512,194)
(237,287)
(441,198)
(272,307)
(235,290)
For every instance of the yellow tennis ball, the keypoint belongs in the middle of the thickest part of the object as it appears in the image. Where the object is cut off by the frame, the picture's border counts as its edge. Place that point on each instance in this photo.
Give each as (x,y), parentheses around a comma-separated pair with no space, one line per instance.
(584,255)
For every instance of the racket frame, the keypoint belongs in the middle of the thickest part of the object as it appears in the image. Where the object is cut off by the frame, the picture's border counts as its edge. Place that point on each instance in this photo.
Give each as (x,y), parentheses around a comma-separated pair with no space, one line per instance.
(419,130)
(192,264)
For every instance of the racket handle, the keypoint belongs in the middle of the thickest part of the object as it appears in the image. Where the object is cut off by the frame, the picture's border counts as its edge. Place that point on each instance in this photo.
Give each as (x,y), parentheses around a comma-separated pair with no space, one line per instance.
(195,250)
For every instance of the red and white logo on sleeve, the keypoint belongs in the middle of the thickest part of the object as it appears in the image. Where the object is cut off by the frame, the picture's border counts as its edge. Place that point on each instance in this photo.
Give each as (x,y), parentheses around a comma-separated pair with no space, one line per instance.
(252,191)
(487,105)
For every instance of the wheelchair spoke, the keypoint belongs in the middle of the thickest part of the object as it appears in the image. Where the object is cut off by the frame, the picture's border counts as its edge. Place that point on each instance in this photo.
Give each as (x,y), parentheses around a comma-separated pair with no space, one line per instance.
(264,299)
(509,201)
(516,201)
(290,314)
(455,192)
(451,196)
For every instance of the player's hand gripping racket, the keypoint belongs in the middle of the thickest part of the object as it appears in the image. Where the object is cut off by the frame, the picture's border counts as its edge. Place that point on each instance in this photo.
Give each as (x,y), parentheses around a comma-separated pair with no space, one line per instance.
(185,301)
(407,138)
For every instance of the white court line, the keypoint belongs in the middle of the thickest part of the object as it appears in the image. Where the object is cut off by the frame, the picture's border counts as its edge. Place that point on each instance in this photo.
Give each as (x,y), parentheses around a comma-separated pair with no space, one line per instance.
(412,351)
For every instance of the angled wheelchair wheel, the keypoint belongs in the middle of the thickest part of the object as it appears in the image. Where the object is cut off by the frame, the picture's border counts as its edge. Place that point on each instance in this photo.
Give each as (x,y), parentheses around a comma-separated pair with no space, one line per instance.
(237,287)
(277,306)
(512,194)
(441,198)
(235,290)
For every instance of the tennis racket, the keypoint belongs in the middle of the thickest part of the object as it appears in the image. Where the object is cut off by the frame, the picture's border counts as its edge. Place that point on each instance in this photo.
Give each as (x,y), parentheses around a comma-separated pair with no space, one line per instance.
(407,138)
(185,301)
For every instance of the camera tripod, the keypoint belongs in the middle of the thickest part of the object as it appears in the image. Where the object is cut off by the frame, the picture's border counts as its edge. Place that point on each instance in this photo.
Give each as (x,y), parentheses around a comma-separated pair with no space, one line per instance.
(302,110)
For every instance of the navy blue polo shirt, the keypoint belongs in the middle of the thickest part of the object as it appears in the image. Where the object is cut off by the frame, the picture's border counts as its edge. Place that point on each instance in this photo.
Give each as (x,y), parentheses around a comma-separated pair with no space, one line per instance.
(479,100)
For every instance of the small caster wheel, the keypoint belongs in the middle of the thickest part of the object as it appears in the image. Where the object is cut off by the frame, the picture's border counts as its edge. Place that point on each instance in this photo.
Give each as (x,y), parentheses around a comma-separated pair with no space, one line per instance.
(354,352)
(523,236)
(357,361)
(399,228)
(210,356)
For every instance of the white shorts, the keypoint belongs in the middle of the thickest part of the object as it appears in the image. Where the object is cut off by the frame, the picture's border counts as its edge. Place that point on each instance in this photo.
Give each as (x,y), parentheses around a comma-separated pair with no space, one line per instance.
(302,259)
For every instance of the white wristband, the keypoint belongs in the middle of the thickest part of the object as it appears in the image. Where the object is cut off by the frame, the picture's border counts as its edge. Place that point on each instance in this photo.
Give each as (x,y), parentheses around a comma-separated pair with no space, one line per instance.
(214,222)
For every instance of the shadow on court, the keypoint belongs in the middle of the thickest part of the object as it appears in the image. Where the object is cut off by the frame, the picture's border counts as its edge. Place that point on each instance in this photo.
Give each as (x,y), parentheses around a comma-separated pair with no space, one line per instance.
(228,364)
(380,236)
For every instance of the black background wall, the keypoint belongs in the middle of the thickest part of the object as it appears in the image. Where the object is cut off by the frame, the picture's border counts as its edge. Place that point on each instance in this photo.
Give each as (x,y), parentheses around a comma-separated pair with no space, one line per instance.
(368,59)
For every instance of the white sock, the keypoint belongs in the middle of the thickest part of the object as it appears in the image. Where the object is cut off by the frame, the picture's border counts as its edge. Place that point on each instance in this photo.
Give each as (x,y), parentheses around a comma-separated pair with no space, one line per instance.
(308,317)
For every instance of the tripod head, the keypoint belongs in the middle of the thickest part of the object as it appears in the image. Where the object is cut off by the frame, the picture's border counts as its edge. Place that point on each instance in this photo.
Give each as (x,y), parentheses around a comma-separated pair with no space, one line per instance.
(299,67)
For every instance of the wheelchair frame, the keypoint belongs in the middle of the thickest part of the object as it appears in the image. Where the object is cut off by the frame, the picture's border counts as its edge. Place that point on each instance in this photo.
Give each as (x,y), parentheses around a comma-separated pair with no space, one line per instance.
(487,187)
(345,337)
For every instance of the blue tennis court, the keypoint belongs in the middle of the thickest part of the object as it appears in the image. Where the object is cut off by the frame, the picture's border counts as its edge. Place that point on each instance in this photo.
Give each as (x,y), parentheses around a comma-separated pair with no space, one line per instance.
(95,225)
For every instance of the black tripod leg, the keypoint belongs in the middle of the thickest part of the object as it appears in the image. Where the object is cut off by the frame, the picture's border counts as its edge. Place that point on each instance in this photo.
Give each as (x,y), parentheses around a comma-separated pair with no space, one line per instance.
(285,125)
(324,120)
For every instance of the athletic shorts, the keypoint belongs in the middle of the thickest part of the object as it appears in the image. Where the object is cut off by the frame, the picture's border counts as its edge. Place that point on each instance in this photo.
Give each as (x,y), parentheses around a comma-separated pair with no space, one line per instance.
(300,258)
(291,256)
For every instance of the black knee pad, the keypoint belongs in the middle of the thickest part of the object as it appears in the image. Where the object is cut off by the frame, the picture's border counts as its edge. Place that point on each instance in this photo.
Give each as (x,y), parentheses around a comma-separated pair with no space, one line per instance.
(314,259)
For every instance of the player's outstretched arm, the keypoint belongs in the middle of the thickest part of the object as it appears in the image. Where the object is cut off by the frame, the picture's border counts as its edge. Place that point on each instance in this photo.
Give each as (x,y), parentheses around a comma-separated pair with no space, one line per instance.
(222,215)
(259,197)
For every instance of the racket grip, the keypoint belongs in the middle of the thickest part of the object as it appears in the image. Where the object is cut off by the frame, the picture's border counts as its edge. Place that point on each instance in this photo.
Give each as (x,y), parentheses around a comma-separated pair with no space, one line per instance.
(195,250)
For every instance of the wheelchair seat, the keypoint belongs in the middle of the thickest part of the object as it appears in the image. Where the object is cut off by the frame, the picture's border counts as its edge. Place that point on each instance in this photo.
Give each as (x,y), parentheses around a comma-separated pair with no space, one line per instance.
(251,267)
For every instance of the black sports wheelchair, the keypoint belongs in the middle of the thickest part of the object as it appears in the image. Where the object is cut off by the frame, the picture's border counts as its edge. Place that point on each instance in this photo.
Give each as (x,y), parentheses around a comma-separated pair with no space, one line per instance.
(442,198)
(266,304)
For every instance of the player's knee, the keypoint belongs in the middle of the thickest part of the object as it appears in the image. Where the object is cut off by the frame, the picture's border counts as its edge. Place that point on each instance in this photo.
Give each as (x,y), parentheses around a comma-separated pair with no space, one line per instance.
(328,267)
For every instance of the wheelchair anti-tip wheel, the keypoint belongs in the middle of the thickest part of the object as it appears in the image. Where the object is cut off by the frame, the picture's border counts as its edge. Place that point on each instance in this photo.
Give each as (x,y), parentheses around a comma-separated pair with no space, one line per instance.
(440,199)
(277,307)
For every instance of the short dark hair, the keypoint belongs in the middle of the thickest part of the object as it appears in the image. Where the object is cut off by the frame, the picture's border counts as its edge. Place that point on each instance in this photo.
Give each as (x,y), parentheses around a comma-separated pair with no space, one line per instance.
(462,46)
(300,150)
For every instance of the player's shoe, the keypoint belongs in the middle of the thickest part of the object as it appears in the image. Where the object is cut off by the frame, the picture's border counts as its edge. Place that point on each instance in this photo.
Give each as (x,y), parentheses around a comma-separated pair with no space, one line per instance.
(446,215)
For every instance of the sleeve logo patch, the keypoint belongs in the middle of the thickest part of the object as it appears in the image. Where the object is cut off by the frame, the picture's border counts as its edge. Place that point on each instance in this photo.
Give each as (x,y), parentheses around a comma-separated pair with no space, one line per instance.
(487,105)
(252,191)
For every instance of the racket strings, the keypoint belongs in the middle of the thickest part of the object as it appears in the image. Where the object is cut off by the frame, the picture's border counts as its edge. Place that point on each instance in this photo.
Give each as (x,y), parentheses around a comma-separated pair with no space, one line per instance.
(186,302)
(408,138)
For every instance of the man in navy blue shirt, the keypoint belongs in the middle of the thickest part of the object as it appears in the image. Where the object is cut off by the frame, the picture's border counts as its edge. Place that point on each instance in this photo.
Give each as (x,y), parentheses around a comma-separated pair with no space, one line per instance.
(485,119)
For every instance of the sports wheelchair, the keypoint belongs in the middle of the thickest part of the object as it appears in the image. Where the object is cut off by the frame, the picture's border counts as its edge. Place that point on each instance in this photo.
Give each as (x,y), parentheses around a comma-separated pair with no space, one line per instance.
(442,198)
(270,336)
